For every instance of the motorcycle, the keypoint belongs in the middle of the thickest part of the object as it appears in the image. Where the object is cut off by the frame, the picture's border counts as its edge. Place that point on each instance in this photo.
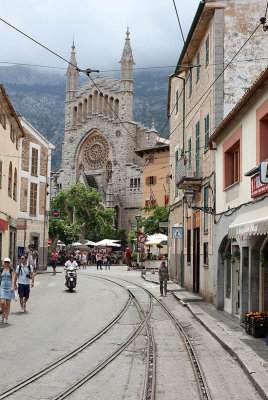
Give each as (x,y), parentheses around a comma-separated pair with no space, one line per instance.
(71,278)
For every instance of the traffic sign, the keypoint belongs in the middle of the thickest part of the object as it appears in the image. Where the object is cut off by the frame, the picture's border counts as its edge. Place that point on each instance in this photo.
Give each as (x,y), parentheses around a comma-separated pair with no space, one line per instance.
(49,241)
(55,213)
(141,238)
(264,172)
(177,232)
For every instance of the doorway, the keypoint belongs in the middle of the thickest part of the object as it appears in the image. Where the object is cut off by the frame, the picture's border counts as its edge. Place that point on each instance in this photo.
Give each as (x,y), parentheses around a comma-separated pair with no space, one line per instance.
(196,260)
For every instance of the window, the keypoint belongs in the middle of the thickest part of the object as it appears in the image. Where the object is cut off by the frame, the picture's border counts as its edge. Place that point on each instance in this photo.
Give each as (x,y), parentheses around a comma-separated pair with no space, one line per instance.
(190,152)
(177,101)
(232,164)
(34,162)
(151,180)
(1,173)
(188,245)
(207,49)
(198,68)
(205,248)
(131,183)
(10,180)
(139,182)
(197,146)
(206,205)
(15,184)
(206,131)
(190,83)
(33,198)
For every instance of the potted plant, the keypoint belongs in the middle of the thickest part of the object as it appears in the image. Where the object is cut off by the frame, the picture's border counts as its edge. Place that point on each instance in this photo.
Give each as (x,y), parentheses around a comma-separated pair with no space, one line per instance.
(226,256)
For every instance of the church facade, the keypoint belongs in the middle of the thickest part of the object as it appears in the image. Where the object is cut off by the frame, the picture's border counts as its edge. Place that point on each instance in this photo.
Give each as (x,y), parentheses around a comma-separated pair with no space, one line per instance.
(101,138)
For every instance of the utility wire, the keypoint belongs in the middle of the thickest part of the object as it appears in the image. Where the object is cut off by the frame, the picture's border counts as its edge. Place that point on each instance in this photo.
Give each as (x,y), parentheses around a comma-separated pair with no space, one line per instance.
(178,18)
(213,83)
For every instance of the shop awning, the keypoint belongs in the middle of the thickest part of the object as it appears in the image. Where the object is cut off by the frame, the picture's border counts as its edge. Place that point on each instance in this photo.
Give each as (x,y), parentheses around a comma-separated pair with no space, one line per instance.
(252,221)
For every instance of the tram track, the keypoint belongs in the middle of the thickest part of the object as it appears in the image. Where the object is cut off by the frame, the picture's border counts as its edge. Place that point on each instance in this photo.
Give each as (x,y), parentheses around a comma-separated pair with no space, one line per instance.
(200,379)
(71,354)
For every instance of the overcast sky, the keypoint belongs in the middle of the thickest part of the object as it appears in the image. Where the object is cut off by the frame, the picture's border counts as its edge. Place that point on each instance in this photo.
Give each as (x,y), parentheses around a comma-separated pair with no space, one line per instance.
(98,28)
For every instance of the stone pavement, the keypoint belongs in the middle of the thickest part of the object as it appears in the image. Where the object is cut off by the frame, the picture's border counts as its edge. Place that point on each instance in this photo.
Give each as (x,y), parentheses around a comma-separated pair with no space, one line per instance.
(251,353)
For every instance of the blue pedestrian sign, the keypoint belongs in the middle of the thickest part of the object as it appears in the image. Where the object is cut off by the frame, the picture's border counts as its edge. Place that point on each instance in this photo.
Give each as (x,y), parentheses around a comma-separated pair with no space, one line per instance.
(177,232)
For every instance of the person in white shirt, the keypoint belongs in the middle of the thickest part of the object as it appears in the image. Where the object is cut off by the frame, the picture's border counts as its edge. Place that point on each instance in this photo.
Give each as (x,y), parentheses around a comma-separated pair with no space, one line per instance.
(71,263)
(25,277)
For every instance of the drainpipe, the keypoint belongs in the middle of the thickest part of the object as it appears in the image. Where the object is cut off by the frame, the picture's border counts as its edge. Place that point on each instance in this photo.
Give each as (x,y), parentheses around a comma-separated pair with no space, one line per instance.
(183,134)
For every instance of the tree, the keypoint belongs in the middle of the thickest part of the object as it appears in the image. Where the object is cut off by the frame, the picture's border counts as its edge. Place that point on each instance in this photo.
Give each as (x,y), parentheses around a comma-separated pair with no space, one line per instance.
(82,214)
(150,224)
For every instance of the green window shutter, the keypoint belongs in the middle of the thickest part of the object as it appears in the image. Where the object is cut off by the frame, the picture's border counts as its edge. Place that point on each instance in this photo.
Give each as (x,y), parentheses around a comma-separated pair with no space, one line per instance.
(190,83)
(197,146)
(206,131)
(205,205)
(198,68)
(177,101)
(207,49)
(190,152)
(176,163)
(176,191)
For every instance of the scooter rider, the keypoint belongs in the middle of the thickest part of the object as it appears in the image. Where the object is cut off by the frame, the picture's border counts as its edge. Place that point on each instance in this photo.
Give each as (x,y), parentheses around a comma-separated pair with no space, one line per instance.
(71,263)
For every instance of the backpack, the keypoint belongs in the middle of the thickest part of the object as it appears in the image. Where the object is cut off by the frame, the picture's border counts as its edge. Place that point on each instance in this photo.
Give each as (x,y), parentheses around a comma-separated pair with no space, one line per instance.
(28,266)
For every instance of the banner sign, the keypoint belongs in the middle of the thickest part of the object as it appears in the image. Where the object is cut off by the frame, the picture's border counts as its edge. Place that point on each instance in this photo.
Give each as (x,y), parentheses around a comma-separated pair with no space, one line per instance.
(257,187)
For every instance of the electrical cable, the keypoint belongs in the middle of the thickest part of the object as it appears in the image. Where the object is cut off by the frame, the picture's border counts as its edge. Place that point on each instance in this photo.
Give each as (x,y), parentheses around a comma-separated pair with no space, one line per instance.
(213,83)
(178,18)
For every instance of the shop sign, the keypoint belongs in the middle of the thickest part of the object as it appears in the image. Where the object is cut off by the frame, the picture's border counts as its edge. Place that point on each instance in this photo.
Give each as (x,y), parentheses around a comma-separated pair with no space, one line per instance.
(12,222)
(257,187)
(197,219)
(3,225)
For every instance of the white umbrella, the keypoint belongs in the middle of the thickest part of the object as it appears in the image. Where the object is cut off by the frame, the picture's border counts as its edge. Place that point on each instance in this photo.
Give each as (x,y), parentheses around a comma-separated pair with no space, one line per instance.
(76,244)
(89,243)
(158,238)
(108,243)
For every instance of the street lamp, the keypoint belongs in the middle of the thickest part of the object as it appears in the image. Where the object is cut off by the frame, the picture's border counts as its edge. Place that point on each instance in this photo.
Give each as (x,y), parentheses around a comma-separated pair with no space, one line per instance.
(189,197)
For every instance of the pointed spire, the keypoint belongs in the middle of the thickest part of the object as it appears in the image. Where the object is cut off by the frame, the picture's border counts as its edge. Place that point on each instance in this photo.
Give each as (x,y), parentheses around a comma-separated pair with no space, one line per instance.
(153,127)
(73,62)
(127,51)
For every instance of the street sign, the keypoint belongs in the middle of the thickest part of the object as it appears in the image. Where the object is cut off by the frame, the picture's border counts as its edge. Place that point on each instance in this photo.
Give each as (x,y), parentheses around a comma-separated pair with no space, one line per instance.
(176,232)
(55,213)
(141,238)
(264,172)
(49,241)
(163,224)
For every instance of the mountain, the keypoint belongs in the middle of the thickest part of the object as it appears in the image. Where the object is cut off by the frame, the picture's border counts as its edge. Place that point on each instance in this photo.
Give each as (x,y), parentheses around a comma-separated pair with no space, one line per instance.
(39,95)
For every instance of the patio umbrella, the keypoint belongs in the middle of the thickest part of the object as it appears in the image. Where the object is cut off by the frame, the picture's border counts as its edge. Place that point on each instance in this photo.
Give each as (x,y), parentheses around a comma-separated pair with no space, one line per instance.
(76,244)
(158,238)
(89,243)
(108,243)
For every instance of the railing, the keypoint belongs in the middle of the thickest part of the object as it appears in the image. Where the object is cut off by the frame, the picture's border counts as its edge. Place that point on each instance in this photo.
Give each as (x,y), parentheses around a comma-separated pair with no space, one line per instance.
(189,166)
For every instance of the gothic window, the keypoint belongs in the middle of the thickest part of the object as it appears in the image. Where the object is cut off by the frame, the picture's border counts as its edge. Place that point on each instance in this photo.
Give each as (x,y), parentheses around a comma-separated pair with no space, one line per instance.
(131,183)
(79,112)
(85,109)
(90,101)
(75,115)
(139,182)
(135,182)
(101,103)
(10,180)
(15,184)
(111,102)
(105,108)
(108,171)
(95,103)
(117,107)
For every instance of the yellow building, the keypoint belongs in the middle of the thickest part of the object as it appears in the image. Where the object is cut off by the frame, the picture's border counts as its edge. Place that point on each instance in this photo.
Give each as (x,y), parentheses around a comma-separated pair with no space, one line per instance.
(10,133)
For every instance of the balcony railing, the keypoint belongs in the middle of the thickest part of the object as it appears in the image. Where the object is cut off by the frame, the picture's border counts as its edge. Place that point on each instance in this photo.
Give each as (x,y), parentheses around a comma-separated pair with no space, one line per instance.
(188,168)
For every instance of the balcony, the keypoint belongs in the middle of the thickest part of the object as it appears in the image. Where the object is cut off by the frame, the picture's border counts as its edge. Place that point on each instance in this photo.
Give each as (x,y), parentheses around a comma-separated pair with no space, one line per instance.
(188,171)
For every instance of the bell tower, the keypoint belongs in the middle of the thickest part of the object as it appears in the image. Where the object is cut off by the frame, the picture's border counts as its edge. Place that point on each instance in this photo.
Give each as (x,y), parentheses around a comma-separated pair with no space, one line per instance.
(126,79)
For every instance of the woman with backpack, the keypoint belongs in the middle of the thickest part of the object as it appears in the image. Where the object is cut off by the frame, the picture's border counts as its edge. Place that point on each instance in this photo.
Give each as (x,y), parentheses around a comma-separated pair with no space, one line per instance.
(7,276)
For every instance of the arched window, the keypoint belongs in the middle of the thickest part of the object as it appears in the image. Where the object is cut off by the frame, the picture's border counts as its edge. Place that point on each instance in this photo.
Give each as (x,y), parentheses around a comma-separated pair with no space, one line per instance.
(111,102)
(90,102)
(75,115)
(105,108)
(95,105)
(15,184)
(10,180)
(101,103)
(85,109)
(117,108)
(79,112)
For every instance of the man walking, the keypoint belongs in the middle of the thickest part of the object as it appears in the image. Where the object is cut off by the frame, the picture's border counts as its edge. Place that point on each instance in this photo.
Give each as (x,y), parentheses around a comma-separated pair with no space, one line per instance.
(99,260)
(163,278)
(25,276)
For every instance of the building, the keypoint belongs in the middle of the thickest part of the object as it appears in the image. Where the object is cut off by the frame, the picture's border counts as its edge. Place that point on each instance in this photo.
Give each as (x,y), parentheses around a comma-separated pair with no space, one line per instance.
(100,139)
(241,220)
(155,176)
(201,93)
(34,196)
(11,133)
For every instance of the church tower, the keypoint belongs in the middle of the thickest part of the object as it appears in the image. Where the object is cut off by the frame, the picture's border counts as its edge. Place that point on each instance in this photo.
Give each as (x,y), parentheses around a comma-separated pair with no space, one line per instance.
(126,78)
(72,76)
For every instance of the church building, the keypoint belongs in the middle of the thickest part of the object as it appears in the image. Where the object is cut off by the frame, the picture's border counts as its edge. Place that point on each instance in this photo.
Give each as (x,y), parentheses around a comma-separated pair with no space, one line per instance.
(101,139)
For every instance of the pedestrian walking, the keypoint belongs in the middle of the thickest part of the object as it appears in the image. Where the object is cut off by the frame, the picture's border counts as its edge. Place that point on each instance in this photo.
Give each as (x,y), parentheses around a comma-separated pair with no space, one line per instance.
(99,260)
(54,259)
(7,277)
(163,278)
(29,254)
(35,258)
(25,277)
(128,257)
(84,261)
